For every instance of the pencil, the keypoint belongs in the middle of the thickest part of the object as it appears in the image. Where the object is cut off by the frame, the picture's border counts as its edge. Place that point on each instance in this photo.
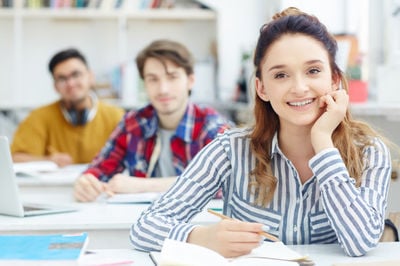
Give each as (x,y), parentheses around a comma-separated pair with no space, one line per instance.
(265,234)
(108,192)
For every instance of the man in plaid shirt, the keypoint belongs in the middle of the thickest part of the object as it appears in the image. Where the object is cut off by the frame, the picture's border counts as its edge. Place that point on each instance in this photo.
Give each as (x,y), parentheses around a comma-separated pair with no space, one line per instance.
(158,140)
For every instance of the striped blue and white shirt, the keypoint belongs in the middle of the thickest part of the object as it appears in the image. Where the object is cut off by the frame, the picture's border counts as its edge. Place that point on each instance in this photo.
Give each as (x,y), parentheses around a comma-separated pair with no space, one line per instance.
(328,208)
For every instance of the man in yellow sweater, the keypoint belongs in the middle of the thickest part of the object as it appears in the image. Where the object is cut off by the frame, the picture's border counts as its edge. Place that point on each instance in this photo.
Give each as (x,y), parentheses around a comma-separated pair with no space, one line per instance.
(72,129)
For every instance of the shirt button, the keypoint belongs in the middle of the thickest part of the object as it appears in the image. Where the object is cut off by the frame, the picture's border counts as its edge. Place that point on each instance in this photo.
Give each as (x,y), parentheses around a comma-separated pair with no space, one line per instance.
(295,228)
(298,201)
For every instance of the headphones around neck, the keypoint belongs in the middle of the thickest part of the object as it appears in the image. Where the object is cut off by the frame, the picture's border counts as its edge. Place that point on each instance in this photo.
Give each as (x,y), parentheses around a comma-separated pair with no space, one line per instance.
(80,117)
(77,117)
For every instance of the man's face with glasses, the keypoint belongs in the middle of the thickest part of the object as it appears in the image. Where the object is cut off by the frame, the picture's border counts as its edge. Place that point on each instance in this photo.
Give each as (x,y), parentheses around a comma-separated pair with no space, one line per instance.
(72,80)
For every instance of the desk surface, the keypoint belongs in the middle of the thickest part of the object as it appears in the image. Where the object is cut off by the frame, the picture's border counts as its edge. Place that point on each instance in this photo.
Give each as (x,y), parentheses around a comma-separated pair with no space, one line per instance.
(101,220)
(322,255)
(108,227)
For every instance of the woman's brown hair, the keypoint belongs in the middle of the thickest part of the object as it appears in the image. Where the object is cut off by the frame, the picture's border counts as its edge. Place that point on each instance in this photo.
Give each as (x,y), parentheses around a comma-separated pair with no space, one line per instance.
(262,181)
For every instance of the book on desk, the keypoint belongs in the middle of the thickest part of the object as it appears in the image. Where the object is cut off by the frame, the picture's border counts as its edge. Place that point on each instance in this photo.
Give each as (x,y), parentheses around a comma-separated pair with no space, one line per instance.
(33,169)
(134,198)
(269,253)
(48,172)
(43,247)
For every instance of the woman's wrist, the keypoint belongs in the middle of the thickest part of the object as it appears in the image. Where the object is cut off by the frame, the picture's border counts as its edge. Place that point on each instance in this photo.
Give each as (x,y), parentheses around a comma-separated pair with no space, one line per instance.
(321,141)
(198,236)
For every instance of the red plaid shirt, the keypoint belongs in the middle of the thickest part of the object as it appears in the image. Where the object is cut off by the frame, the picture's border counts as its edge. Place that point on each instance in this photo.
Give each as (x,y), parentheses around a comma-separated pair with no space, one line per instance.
(131,144)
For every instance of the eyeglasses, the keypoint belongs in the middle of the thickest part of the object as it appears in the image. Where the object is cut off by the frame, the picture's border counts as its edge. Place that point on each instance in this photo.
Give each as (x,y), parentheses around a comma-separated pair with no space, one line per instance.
(62,81)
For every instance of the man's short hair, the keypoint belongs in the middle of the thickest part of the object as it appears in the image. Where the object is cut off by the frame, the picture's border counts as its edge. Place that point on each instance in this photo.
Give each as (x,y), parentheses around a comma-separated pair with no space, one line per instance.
(164,50)
(65,55)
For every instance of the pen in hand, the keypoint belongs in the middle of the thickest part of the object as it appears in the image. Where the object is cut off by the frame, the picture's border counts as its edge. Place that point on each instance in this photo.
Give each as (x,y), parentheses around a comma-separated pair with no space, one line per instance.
(107,191)
(265,234)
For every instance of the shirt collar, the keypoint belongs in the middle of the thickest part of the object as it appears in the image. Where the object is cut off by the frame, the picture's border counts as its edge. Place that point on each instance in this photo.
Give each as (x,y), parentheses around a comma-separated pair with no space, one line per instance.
(185,127)
(148,119)
(274,145)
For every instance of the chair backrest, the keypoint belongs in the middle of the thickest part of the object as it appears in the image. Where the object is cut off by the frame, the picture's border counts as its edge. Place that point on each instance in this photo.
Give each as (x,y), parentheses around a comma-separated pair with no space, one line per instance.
(392,225)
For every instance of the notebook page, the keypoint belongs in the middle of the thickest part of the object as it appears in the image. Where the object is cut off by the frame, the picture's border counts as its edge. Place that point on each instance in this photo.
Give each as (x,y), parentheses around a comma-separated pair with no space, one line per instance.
(274,250)
(181,253)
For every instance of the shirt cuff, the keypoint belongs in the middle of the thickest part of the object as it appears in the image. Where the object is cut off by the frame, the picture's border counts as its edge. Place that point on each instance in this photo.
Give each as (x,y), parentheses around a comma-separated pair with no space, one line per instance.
(328,165)
(92,171)
(181,232)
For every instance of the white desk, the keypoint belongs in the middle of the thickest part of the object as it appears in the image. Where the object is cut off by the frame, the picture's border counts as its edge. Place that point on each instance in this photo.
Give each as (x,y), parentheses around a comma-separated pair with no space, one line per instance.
(108,225)
(322,255)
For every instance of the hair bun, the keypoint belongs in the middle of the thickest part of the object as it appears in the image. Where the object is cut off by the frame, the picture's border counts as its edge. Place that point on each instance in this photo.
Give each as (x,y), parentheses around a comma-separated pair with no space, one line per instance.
(290,11)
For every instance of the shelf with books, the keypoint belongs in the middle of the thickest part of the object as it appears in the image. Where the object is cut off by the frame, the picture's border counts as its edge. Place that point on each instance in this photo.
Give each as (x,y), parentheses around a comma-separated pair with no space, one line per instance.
(151,14)
(173,14)
(47,13)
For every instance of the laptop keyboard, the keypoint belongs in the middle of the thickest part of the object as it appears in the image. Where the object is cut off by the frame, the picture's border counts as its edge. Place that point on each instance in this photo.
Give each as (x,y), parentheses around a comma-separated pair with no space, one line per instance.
(30,208)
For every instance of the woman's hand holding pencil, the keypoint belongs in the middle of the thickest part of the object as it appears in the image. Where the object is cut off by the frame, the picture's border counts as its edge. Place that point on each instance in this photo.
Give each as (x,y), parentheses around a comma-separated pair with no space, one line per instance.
(229,237)
(264,232)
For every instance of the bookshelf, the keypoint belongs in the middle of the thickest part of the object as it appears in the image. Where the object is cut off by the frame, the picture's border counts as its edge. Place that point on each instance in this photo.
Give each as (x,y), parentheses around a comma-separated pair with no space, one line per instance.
(151,14)
(108,38)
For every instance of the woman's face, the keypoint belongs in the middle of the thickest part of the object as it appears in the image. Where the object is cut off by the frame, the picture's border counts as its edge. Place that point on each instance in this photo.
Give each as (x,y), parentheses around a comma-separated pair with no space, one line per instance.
(295,72)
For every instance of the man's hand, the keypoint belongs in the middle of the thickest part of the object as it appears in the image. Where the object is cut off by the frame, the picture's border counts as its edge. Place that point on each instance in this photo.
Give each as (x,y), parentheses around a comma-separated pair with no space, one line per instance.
(87,188)
(61,159)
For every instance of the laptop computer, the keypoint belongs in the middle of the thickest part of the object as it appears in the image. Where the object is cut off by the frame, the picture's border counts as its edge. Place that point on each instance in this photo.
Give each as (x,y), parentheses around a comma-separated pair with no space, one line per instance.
(10,203)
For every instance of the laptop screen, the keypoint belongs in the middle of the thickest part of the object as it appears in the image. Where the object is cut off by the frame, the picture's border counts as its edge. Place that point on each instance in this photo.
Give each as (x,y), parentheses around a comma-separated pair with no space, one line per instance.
(10,202)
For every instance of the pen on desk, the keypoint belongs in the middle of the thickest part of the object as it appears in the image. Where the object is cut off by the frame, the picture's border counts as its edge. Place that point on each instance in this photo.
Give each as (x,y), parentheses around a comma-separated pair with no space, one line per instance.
(265,234)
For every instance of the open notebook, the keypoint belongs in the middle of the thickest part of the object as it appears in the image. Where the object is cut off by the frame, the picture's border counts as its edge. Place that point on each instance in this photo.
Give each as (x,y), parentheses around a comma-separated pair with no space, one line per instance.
(269,253)
(10,203)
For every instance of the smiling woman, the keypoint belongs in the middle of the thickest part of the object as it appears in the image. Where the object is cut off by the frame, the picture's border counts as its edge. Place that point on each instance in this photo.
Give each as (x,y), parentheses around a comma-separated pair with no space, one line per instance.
(295,76)
(305,170)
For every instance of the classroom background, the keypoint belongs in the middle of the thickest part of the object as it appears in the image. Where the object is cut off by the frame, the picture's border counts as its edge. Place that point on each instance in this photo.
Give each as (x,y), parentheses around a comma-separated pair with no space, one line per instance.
(221,34)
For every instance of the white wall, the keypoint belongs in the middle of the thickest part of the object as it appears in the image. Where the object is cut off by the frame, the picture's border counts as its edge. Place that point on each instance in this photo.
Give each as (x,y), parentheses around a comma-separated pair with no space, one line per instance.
(340,16)
(238,26)
(6,65)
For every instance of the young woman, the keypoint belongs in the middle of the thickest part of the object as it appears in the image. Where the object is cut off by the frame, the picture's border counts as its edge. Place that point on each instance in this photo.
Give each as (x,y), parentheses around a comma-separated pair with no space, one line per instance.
(306,171)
